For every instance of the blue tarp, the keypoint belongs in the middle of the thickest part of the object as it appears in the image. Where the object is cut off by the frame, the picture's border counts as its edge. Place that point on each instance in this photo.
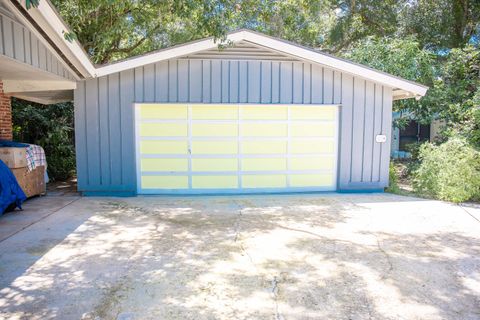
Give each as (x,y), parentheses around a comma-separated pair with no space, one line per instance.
(12,144)
(10,191)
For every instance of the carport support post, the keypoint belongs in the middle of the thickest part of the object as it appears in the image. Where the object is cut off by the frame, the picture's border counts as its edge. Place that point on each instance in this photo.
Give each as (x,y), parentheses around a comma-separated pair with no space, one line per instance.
(6,132)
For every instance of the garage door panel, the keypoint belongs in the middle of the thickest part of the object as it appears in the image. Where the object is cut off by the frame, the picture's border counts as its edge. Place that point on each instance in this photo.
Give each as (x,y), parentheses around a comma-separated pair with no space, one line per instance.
(215,182)
(312,146)
(163,147)
(264,181)
(195,148)
(164,182)
(264,130)
(322,129)
(309,113)
(214,164)
(312,163)
(264,113)
(214,130)
(163,130)
(170,112)
(214,147)
(311,180)
(264,164)
(169,164)
(264,147)
(214,112)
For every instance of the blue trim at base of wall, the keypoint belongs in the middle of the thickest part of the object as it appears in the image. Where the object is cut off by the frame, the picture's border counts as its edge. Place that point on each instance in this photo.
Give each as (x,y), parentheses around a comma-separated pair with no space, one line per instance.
(123,194)
(362,191)
(109,194)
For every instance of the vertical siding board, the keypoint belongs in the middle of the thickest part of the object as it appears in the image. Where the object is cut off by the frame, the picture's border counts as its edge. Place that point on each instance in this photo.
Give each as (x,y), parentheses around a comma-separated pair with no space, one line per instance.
(328,86)
(42,57)
(317,85)
(357,134)
(206,83)
(377,129)
(149,83)
(225,70)
(307,85)
(115,129)
(297,82)
(368,133)
(243,82)
(93,135)
(275,82)
(34,45)
(128,152)
(286,83)
(234,83)
(19,49)
(183,80)
(195,79)
(345,131)
(161,81)
(80,136)
(387,131)
(104,131)
(8,34)
(253,81)
(266,85)
(138,79)
(172,81)
(216,81)
(48,58)
(26,45)
(337,87)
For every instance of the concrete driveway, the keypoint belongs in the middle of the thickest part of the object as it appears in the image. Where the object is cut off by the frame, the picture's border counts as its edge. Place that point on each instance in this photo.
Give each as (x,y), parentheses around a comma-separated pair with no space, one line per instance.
(248,257)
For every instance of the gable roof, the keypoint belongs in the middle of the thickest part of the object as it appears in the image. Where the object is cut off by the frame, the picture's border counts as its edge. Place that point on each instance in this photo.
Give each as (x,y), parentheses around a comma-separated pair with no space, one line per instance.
(404,87)
(49,20)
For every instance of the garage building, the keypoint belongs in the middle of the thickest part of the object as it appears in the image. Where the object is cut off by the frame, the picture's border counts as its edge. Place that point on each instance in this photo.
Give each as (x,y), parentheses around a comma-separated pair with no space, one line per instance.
(261,115)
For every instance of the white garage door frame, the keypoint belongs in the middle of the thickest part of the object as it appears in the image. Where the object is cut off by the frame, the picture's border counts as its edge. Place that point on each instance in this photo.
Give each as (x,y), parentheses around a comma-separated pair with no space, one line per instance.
(239,155)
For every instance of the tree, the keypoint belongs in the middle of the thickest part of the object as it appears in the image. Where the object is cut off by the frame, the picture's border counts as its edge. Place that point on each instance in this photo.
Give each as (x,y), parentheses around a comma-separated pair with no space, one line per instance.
(441,24)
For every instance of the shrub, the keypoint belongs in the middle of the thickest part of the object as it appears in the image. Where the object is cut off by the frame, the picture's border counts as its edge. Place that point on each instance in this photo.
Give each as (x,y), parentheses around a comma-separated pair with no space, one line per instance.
(450,171)
(393,179)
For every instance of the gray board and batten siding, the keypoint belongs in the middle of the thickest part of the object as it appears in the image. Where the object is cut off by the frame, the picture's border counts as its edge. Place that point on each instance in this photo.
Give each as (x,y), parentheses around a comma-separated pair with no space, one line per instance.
(104,111)
(19,43)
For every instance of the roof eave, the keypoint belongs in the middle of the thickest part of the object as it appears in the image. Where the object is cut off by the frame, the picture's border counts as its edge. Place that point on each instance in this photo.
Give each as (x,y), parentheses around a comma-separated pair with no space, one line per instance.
(50,22)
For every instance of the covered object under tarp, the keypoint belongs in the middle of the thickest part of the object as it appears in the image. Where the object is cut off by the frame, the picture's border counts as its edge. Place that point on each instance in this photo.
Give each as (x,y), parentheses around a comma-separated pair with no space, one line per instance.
(11,195)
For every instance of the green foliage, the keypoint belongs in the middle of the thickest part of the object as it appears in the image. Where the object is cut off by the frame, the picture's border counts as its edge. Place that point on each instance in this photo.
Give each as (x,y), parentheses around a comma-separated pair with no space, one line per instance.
(455,94)
(450,171)
(393,179)
(50,127)
(441,24)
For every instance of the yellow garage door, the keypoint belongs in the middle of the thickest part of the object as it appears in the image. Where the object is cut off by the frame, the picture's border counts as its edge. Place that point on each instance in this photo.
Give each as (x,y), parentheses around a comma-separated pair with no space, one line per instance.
(207,148)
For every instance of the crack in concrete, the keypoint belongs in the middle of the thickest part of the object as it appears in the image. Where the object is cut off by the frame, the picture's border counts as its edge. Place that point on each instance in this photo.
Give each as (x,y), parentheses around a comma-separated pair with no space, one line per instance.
(236,239)
(275,290)
(387,257)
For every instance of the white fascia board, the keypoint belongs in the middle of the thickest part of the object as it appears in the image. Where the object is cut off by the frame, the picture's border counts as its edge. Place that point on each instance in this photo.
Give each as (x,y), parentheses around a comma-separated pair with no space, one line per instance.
(336,63)
(50,21)
(165,54)
(10,86)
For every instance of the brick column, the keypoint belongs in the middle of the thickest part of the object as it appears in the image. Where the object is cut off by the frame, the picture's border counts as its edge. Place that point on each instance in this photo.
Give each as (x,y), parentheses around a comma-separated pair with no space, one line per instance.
(5,115)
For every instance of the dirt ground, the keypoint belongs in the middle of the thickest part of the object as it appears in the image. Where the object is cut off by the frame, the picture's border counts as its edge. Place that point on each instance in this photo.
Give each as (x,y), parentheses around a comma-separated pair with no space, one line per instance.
(329,256)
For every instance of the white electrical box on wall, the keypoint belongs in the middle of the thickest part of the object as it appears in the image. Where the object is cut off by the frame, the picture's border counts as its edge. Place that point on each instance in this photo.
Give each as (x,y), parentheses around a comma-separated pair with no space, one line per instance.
(381,138)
